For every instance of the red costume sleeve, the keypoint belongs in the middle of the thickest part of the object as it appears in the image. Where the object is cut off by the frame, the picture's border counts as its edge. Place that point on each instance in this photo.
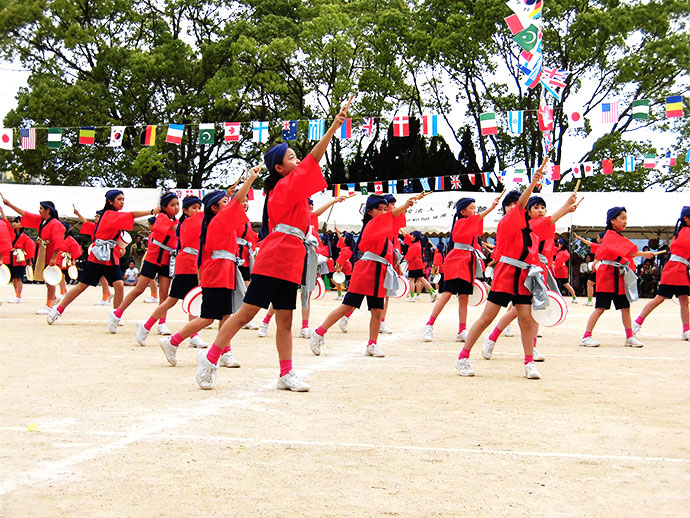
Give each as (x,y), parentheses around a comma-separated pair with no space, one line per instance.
(301,183)
(87,228)
(543,228)
(30,220)
(377,228)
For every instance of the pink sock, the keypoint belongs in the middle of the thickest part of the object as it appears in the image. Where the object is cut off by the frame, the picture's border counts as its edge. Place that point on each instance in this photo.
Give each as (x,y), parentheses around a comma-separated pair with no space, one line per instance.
(528,359)
(60,309)
(686,328)
(464,353)
(161,321)
(226,350)
(305,323)
(350,313)
(495,334)
(639,320)
(118,312)
(628,333)
(587,334)
(320,331)
(267,319)
(371,342)
(285,367)
(214,353)
(176,339)
(463,326)
(535,341)
(431,321)
(150,323)
(383,320)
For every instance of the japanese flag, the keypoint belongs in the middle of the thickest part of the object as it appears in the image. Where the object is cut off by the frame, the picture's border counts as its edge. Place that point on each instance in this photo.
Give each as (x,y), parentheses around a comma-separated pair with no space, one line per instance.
(576,119)
(6,138)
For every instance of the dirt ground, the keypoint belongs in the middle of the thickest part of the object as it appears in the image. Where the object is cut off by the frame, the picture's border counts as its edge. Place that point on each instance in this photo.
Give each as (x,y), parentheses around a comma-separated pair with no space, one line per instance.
(94,425)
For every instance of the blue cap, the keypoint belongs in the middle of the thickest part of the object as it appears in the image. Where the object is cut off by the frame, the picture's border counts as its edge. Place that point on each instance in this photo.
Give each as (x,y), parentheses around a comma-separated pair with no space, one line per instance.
(535,200)
(374,201)
(389,198)
(463,203)
(274,156)
(189,201)
(511,197)
(51,208)
(167,198)
(112,194)
(613,213)
(212,198)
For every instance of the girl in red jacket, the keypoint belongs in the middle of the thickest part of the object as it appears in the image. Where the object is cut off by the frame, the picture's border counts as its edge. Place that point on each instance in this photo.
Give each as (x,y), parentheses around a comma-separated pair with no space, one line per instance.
(221,288)
(280,263)
(104,258)
(156,262)
(675,279)
(186,278)
(371,275)
(51,241)
(560,268)
(460,264)
(416,262)
(343,263)
(88,228)
(614,256)
(23,250)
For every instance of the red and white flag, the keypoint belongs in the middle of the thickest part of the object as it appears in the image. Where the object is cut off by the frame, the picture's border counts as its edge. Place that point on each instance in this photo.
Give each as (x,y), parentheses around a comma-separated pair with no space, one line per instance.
(378,187)
(401,126)
(232,131)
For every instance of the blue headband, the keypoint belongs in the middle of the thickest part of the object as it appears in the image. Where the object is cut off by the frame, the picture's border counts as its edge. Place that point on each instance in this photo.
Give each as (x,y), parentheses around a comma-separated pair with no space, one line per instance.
(189,201)
(535,200)
(112,194)
(463,203)
(417,234)
(389,198)
(613,213)
(213,198)
(274,156)
(374,201)
(511,197)
(51,208)
(152,220)
(167,198)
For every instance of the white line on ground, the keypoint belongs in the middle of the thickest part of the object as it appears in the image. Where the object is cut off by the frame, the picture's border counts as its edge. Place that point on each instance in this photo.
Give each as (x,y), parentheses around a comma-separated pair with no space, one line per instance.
(556,355)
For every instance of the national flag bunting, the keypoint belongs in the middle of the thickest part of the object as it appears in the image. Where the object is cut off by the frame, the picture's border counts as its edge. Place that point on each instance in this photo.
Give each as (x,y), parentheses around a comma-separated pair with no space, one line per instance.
(519,176)
(486,179)
(54,138)
(6,138)
(629,164)
(28,138)
(207,133)
(650,161)
(378,187)
(439,183)
(640,109)
(515,121)
(670,158)
(336,190)
(363,189)
(407,186)
(87,135)
(425,184)
(674,106)
(260,131)
(472,178)
(687,157)
(148,136)
(575,119)
(117,133)
(487,123)
(317,128)
(527,38)
(345,130)
(289,131)
(545,115)
(393,186)
(609,112)
(368,126)
(555,172)
(401,126)
(515,24)
(232,131)
(553,79)
(455,182)
(430,125)
(175,134)
(350,189)
(607,166)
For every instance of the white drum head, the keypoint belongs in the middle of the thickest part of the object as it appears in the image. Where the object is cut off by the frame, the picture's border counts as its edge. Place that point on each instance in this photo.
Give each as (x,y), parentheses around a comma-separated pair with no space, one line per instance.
(403,287)
(435,278)
(479,294)
(192,302)
(320,289)
(338,277)
(555,314)
(52,275)
(5,275)
(73,272)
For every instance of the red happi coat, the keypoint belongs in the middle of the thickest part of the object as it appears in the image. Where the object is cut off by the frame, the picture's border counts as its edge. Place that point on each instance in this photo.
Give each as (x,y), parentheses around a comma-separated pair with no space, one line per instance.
(248,234)
(282,255)
(413,256)
(560,265)
(545,232)
(675,273)
(460,264)
(5,245)
(73,249)
(20,241)
(439,262)
(52,231)
(190,229)
(164,232)
(518,240)
(368,276)
(614,247)
(344,257)
(109,227)
(221,234)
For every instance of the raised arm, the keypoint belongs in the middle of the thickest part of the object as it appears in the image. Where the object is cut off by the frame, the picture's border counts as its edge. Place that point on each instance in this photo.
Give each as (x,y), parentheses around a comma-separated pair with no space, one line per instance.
(583,240)
(12,206)
(493,206)
(241,194)
(322,145)
(78,214)
(569,206)
(536,179)
(326,206)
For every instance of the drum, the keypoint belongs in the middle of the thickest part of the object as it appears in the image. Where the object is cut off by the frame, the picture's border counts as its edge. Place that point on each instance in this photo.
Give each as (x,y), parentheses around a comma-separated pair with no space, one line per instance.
(52,275)
(403,287)
(555,314)
(435,278)
(5,275)
(319,289)
(192,302)
(73,272)
(338,277)
(124,239)
(479,294)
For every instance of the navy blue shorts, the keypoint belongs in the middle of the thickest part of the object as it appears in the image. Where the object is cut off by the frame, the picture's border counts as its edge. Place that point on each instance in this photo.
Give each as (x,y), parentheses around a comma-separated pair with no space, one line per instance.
(92,273)
(264,291)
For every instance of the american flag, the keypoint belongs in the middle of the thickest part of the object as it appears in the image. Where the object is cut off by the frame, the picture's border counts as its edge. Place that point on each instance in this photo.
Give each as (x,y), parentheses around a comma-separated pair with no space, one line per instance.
(609,112)
(455,182)
(368,126)
(28,138)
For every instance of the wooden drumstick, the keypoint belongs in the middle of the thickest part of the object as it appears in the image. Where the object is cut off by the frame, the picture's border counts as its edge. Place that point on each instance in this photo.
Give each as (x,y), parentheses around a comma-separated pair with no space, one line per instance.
(347,106)
(577,185)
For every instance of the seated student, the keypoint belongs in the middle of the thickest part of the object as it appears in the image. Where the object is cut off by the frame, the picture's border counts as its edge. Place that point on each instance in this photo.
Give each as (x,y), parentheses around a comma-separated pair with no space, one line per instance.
(131,274)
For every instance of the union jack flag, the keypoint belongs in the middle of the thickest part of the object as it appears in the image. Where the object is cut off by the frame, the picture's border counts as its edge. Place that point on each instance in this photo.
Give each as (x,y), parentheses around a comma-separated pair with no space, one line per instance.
(368,126)
(554,76)
(455,182)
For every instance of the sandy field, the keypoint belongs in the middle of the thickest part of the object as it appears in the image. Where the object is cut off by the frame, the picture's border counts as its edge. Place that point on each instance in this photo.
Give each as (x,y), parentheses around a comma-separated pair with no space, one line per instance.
(94,425)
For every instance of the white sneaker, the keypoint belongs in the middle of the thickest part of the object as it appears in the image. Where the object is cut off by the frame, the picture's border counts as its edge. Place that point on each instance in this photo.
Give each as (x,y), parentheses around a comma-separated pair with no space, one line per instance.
(375,351)
(113,322)
(316,341)
(461,337)
(574,301)
(342,324)
(385,329)
(228,360)
(197,342)
(120,323)
(43,311)
(539,335)
(250,325)
(52,316)
(507,332)
(463,367)
(588,303)
(589,342)
(164,330)
(141,334)
(263,330)
(412,299)
(338,297)
(633,342)
(110,297)
(428,333)
(304,333)
(538,357)
(205,372)
(488,348)
(169,350)
(686,335)
(14,300)
(434,296)
(102,303)
(636,328)
(531,372)
(151,300)
(292,382)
